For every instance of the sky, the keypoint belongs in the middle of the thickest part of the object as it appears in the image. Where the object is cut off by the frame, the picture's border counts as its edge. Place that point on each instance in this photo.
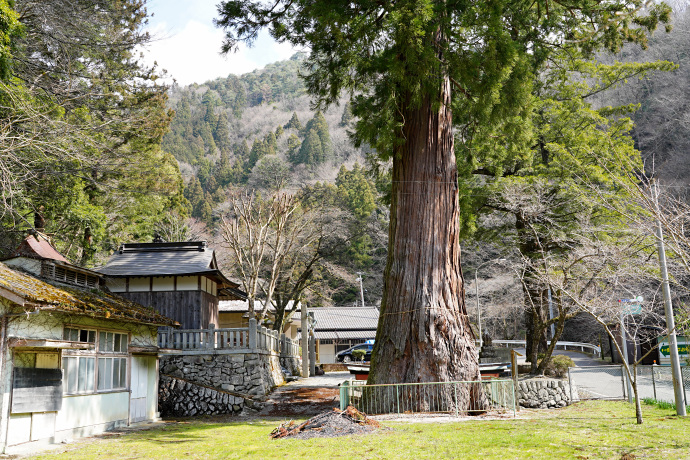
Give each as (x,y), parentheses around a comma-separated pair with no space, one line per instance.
(187,44)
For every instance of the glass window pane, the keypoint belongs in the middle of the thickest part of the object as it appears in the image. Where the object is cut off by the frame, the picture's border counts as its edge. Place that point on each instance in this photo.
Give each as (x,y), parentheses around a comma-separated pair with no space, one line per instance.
(123,372)
(101,373)
(124,341)
(81,380)
(90,363)
(116,347)
(101,342)
(83,335)
(71,370)
(65,334)
(92,336)
(116,373)
(109,373)
(109,347)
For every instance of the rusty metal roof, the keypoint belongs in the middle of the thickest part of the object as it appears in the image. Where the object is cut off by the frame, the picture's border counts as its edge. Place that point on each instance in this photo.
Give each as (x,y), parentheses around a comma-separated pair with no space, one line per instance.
(38,247)
(29,291)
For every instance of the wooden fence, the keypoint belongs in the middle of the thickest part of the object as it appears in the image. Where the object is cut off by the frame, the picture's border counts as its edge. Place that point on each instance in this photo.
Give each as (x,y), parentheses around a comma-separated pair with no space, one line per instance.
(254,337)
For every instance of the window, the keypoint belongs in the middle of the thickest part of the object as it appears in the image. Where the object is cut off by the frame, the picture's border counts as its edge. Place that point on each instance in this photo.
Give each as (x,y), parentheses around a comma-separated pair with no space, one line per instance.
(112,342)
(79,335)
(102,369)
(78,374)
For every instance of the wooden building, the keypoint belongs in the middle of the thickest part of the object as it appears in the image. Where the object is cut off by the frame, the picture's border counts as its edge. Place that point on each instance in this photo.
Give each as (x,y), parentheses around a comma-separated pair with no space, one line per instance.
(75,360)
(180,280)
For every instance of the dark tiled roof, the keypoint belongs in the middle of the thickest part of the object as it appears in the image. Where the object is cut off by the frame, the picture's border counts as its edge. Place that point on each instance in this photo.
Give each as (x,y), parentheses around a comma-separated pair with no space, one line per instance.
(160,259)
(42,294)
(38,247)
(170,259)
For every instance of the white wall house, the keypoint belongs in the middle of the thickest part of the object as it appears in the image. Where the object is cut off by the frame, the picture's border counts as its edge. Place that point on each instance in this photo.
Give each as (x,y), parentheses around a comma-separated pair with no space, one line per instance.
(75,360)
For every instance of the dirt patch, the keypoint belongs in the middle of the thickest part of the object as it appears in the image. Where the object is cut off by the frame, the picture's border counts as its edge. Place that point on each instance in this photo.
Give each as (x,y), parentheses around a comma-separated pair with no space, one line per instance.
(328,425)
(301,401)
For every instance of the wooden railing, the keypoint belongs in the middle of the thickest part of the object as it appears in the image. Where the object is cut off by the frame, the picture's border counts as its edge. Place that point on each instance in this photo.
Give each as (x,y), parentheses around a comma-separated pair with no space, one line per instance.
(254,337)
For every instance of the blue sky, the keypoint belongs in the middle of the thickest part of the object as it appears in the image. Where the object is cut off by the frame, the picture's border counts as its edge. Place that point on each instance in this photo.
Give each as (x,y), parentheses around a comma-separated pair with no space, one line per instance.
(187,44)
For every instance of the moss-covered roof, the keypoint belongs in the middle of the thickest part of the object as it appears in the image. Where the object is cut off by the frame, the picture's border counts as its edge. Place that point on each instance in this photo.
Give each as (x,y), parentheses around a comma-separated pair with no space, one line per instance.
(90,302)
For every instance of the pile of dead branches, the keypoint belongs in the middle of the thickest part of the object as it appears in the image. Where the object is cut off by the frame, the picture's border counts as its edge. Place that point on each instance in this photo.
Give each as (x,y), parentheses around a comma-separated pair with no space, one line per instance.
(329,424)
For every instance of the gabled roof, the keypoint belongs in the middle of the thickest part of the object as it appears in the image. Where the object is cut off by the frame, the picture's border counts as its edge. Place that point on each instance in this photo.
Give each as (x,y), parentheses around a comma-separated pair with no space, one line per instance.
(346,318)
(37,246)
(28,291)
(161,259)
(170,259)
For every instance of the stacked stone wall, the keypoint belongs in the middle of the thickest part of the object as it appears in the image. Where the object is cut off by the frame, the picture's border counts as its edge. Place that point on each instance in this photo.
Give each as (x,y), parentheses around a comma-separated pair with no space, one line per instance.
(210,384)
(544,393)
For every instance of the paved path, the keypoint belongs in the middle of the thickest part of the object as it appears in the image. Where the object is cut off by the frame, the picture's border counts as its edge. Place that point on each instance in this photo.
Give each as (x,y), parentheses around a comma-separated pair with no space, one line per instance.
(580,359)
(305,397)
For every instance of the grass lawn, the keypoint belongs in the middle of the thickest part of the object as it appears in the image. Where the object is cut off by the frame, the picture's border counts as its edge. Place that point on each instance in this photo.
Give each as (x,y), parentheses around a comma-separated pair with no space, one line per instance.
(589,430)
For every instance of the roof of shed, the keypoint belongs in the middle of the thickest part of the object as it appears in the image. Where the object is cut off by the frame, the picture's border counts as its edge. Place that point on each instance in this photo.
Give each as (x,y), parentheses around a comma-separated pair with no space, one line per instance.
(169,259)
(345,318)
(37,246)
(345,335)
(161,259)
(33,292)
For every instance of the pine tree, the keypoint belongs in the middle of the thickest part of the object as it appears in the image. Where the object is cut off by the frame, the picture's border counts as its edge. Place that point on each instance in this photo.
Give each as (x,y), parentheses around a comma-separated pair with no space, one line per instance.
(347,115)
(294,123)
(271,144)
(311,151)
(242,150)
(240,101)
(221,133)
(293,147)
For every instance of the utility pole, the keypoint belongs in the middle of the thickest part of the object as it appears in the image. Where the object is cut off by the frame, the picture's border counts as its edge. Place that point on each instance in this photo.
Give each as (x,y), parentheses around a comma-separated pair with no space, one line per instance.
(361,287)
(670,321)
(305,340)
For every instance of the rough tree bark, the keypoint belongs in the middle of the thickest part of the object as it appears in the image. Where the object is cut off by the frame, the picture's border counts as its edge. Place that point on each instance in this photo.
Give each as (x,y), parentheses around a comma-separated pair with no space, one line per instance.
(424,334)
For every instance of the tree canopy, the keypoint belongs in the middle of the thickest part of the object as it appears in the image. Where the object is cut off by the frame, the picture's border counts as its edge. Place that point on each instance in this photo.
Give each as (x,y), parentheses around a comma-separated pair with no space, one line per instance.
(416,72)
(81,125)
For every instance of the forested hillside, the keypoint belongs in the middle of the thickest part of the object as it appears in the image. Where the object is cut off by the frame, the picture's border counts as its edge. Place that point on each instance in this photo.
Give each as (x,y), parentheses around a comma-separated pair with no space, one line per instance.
(258,132)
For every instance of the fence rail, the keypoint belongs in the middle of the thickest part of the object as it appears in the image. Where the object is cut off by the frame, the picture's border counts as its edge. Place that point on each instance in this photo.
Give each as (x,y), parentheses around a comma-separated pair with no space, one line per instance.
(455,398)
(253,337)
(611,382)
(560,345)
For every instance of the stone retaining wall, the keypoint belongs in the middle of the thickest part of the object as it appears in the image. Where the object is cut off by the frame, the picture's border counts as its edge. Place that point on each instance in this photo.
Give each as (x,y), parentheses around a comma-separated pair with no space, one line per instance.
(544,393)
(218,383)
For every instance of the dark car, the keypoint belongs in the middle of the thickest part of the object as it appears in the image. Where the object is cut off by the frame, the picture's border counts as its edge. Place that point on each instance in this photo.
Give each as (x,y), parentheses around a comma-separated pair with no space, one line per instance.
(345,356)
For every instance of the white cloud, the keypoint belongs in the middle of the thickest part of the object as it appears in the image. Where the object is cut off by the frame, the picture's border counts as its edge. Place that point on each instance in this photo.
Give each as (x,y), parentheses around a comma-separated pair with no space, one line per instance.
(193,54)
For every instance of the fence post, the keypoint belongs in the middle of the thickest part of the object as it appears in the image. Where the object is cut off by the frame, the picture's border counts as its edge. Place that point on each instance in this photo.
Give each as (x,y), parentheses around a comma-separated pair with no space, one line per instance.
(654,379)
(211,336)
(283,345)
(623,379)
(344,401)
(252,333)
(515,374)
(570,386)
(682,382)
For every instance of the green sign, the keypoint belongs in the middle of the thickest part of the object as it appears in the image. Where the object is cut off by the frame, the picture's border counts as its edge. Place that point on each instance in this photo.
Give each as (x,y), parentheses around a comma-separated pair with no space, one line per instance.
(632,309)
(665,349)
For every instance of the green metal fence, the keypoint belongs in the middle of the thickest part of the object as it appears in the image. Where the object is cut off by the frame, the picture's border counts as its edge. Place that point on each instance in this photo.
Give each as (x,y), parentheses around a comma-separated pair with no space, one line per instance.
(454,398)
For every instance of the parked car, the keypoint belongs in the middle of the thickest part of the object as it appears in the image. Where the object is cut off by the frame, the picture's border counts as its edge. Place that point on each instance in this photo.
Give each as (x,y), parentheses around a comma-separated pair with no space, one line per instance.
(346,356)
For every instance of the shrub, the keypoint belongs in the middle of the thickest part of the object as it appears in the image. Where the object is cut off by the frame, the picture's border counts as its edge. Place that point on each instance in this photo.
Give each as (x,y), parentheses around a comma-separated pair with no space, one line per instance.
(558,367)
(359,354)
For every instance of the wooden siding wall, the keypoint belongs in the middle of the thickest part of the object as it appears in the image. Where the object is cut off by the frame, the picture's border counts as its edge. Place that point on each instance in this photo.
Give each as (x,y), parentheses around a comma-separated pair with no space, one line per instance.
(192,309)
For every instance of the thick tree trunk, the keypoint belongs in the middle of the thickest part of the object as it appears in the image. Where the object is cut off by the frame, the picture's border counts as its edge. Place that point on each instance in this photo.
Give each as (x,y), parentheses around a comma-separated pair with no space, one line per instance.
(424,334)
